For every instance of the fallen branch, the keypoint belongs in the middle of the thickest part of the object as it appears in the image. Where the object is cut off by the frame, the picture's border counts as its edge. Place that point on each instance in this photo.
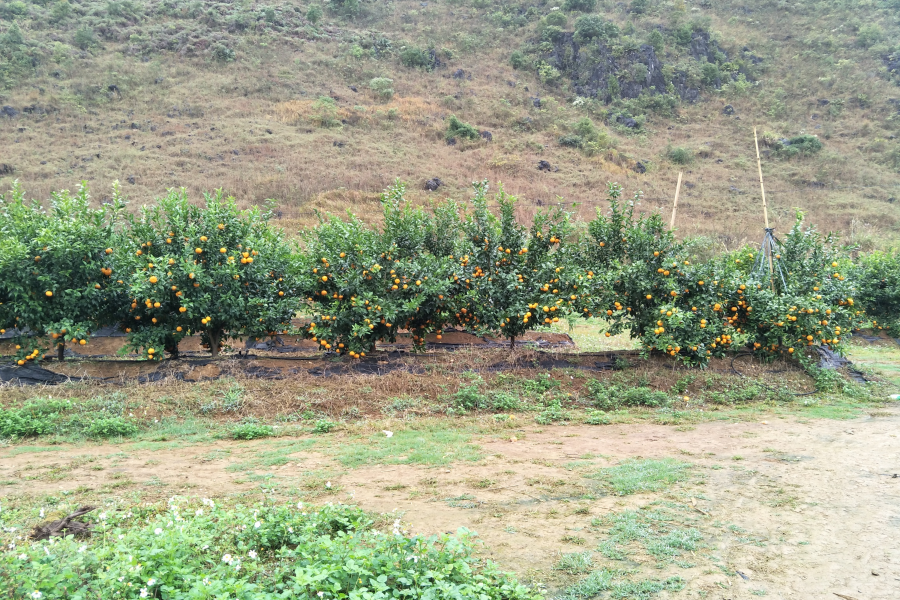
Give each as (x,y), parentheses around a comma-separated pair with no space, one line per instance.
(65,526)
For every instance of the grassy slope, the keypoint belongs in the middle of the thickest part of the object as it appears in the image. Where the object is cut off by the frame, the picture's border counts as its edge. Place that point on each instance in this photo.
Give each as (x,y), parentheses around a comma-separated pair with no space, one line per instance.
(252,125)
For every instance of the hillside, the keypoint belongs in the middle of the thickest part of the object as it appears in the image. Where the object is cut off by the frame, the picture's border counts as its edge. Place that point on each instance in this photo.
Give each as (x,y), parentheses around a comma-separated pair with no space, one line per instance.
(322,106)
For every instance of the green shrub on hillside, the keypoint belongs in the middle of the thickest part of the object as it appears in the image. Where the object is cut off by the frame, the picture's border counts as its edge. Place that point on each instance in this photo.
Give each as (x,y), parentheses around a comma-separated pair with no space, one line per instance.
(518,60)
(579,5)
(587,137)
(556,19)
(415,57)
(314,13)
(801,145)
(680,156)
(458,129)
(383,88)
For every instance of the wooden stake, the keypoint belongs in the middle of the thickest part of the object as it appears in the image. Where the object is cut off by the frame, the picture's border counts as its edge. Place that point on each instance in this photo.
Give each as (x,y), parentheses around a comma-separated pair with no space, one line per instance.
(675,204)
(762,189)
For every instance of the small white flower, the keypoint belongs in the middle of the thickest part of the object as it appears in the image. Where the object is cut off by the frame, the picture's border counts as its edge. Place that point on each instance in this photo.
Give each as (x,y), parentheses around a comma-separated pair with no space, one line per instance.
(42,513)
(46,551)
(23,557)
(413,558)
(237,566)
(199,512)
(387,433)
(257,525)
(158,531)
(328,484)
(321,594)
(82,549)
(252,554)
(36,594)
(151,582)
(299,505)
(103,516)
(121,536)
(227,559)
(206,580)
(144,593)
(290,530)
(205,547)
(12,545)
(121,579)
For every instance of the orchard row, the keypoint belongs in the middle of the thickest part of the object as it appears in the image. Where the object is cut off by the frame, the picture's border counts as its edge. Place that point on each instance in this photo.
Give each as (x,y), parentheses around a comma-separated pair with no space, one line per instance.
(176,269)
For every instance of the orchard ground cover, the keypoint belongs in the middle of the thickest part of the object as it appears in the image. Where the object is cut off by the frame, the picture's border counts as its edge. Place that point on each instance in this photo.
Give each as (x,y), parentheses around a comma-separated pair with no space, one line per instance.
(654,496)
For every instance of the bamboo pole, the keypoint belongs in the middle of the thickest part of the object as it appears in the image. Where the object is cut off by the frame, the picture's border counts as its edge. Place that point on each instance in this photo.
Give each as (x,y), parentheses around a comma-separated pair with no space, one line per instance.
(675,204)
(762,189)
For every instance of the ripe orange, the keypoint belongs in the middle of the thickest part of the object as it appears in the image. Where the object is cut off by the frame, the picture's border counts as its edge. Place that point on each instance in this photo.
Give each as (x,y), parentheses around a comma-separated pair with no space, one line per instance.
(48,293)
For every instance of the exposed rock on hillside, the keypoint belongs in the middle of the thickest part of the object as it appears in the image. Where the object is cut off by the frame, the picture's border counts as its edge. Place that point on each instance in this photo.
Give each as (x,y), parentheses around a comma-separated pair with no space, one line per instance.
(599,69)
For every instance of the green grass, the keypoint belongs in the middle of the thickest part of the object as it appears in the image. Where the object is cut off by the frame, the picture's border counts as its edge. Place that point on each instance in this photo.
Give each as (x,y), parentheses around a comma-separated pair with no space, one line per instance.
(654,529)
(431,446)
(642,475)
(278,454)
(575,563)
(618,587)
(882,358)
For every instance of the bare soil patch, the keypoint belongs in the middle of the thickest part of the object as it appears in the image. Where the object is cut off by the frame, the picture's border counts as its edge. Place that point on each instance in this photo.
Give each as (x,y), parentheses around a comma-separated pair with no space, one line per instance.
(803,509)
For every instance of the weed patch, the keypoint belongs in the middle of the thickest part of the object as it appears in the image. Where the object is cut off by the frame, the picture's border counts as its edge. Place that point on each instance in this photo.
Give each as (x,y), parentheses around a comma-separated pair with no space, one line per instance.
(642,475)
(224,551)
(432,446)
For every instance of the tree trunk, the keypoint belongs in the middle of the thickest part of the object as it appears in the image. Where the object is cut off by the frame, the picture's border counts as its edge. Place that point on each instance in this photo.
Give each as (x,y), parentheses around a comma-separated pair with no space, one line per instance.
(61,351)
(214,337)
(512,343)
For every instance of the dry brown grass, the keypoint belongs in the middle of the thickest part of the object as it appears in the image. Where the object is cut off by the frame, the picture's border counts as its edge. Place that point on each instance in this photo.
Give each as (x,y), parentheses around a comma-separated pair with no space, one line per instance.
(251,129)
(433,380)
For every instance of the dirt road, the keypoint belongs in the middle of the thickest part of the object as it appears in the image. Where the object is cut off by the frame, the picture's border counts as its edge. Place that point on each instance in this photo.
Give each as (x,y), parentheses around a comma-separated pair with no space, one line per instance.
(788,508)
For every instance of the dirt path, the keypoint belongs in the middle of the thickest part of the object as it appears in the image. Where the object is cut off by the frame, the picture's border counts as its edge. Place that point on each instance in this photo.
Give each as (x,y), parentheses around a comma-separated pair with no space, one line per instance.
(803,509)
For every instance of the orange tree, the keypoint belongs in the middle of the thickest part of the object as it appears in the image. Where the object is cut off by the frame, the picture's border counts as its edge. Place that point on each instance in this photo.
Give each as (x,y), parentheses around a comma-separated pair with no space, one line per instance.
(636,276)
(808,302)
(213,270)
(363,285)
(56,269)
(520,278)
(877,278)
